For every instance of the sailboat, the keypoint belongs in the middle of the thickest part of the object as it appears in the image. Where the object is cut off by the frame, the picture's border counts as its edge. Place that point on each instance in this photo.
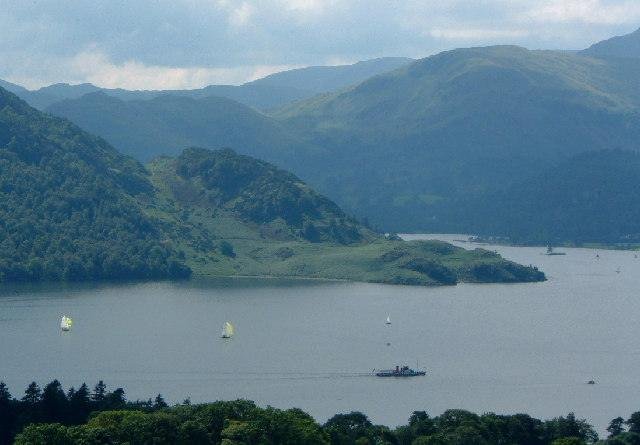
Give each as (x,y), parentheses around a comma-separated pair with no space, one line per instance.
(227,330)
(388,320)
(66,323)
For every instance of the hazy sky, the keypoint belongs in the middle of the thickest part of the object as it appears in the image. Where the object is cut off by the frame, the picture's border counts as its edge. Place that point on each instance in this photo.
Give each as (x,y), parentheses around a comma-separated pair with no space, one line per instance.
(192,43)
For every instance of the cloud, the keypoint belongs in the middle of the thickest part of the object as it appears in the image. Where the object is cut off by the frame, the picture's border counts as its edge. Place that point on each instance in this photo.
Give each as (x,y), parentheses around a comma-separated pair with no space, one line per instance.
(95,67)
(596,12)
(477,33)
(185,43)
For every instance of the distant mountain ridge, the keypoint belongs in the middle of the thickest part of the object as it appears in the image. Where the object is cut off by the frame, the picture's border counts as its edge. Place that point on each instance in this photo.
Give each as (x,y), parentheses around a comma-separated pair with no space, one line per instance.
(621,46)
(418,147)
(321,79)
(407,149)
(467,122)
(164,125)
(272,91)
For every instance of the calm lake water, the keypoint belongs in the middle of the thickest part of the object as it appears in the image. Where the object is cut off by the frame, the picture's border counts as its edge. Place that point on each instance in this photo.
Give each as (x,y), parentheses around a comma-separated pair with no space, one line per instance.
(501,348)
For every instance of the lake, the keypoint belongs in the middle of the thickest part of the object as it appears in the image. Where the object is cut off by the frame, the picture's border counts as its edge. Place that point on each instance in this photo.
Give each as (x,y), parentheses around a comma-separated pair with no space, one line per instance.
(313,344)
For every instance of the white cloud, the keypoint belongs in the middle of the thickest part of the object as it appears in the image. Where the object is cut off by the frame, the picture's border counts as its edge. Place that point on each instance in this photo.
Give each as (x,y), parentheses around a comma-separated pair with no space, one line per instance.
(476,33)
(594,12)
(95,67)
(241,15)
(307,6)
(190,43)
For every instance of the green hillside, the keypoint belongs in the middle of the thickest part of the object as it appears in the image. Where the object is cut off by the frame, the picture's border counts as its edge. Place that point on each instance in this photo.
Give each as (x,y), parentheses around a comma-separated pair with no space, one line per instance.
(620,46)
(234,215)
(73,208)
(167,124)
(468,122)
(69,205)
(592,197)
(322,79)
(414,149)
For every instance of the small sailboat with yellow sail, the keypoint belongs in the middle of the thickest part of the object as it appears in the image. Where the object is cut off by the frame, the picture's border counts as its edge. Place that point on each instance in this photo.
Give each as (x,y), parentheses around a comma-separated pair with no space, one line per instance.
(66,323)
(227,330)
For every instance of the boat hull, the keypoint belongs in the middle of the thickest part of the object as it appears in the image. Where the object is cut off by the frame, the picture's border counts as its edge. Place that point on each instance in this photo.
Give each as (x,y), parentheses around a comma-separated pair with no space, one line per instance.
(393,373)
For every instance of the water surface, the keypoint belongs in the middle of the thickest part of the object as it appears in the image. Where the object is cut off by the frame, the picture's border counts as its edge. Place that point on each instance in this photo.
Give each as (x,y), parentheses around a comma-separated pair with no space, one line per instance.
(501,348)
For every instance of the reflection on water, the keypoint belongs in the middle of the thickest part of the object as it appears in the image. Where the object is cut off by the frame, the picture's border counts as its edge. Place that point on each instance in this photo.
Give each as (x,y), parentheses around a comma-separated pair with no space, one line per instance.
(312,344)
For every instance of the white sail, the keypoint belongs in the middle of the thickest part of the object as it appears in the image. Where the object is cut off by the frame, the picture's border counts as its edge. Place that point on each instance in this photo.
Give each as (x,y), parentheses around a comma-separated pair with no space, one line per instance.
(227,330)
(388,320)
(66,323)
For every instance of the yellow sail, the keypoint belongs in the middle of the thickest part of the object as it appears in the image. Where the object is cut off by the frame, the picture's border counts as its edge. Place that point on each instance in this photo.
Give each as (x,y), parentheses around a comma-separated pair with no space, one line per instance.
(227,330)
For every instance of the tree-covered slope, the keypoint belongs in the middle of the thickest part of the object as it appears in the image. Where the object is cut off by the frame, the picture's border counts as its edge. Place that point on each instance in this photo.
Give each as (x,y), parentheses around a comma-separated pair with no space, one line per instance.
(68,205)
(621,46)
(273,200)
(73,208)
(592,197)
(234,215)
(464,122)
(167,124)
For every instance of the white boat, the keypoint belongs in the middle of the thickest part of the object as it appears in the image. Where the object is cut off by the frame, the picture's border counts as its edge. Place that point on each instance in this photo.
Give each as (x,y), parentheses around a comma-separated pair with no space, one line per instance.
(66,323)
(388,320)
(227,330)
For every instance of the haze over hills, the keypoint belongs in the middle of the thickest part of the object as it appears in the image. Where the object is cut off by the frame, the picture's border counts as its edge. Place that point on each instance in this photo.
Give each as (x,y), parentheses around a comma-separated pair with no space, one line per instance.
(620,46)
(73,208)
(166,124)
(13,88)
(412,149)
(464,123)
(272,91)
(321,79)
(592,196)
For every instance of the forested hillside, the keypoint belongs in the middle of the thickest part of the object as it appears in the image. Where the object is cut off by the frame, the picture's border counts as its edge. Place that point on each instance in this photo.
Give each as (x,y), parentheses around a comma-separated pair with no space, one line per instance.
(468,122)
(592,197)
(68,205)
(73,208)
(409,149)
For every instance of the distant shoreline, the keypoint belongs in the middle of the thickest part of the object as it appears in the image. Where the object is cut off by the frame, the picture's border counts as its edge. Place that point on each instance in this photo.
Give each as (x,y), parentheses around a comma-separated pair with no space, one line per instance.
(500,241)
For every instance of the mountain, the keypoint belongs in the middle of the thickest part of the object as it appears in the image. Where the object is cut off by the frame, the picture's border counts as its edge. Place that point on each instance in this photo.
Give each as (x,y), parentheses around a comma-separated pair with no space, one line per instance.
(404,148)
(166,124)
(272,91)
(69,205)
(621,46)
(236,215)
(12,87)
(412,149)
(592,197)
(322,79)
(255,192)
(73,208)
